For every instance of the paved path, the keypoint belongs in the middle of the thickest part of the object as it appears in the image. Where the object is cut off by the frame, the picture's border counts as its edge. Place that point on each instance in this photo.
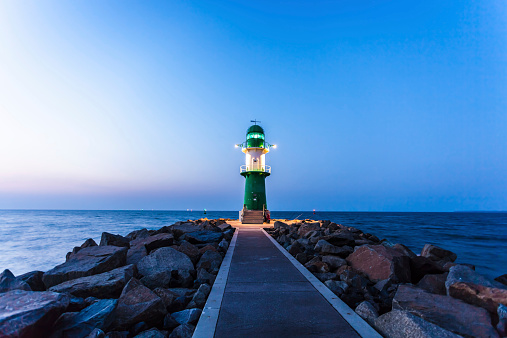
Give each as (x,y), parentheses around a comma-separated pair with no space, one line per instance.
(266,296)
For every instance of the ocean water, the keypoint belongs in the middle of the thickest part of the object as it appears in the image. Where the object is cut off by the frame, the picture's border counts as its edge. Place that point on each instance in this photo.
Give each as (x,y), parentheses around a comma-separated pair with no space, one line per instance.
(39,239)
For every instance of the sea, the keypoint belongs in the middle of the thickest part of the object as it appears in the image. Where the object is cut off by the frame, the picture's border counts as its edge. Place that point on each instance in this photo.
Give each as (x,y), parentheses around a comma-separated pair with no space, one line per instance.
(40,239)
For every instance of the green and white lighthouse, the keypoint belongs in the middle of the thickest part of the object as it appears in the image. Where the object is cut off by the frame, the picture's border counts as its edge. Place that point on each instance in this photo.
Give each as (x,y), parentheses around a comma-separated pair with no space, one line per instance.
(255,171)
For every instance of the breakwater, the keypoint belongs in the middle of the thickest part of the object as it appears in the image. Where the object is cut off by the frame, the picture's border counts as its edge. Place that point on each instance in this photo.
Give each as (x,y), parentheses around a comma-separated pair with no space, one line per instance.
(398,292)
(39,239)
(151,283)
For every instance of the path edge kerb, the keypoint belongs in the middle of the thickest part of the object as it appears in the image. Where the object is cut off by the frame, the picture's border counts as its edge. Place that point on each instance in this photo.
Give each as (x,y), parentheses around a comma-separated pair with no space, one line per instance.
(207,323)
(356,322)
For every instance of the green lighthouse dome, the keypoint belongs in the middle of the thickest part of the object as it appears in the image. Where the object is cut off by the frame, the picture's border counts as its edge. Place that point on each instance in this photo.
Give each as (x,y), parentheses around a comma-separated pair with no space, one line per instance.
(255,137)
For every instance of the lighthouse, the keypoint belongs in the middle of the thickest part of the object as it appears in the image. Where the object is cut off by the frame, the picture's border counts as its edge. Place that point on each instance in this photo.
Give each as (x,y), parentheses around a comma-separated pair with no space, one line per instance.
(255,171)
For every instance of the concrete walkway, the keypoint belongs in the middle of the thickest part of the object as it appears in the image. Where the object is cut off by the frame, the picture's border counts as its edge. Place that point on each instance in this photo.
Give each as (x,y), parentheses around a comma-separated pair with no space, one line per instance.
(262,291)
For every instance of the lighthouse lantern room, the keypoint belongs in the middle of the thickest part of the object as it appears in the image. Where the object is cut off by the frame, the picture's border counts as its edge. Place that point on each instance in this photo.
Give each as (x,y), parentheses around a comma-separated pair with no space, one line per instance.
(255,172)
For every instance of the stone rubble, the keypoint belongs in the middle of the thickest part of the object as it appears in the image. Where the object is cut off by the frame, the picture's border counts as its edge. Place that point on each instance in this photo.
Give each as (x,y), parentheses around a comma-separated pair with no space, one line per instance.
(149,283)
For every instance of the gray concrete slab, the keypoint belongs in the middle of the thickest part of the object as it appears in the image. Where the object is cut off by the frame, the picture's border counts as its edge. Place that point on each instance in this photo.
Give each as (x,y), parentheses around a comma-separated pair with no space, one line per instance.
(267,296)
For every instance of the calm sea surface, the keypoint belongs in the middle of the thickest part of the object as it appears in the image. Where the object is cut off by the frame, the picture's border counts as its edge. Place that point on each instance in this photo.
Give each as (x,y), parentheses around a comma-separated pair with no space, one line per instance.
(39,239)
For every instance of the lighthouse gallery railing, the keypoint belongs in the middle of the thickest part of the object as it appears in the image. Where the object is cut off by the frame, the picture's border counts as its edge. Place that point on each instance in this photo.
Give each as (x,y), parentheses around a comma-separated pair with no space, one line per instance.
(264,168)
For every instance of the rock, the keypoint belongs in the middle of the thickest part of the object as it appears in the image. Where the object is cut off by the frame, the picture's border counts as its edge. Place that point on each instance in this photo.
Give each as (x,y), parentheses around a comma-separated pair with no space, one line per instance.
(96,333)
(76,304)
(161,263)
(167,296)
(302,258)
(104,285)
(421,266)
(30,313)
(87,262)
(137,304)
(502,279)
(334,262)
(502,320)
(116,240)
(479,295)
(461,273)
(404,250)
(223,245)
(117,334)
(402,324)
(33,279)
(184,278)
(201,237)
(138,234)
(446,312)
(204,276)
(340,238)
(379,262)
(190,250)
(367,311)
(295,248)
(183,331)
(433,283)
(325,276)
(81,324)
(210,261)
(438,254)
(326,248)
(207,248)
(151,333)
(8,282)
(279,224)
(183,228)
(337,287)
(155,241)
(317,266)
(199,299)
(189,316)
(224,227)
(305,228)
(170,323)
(136,253)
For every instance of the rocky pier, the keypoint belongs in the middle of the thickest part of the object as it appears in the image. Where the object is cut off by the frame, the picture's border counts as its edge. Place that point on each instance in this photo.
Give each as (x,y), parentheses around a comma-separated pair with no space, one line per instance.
(149,283)
(399,293)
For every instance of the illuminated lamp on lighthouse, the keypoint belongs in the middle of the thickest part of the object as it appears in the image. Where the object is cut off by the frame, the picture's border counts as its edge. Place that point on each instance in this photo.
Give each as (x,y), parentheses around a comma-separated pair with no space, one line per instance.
(255,171)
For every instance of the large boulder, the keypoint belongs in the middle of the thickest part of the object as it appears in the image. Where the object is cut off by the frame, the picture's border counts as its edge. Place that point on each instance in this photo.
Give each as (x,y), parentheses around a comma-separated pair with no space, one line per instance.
(163,262)
(502,279)
(188,316)
(190,250)
(199,299)
(87,262)
(438,254)
(183,331)
(307,227)
(433,283)
(151,333)
(136,253)
(421,266)
(34,280)
(116,240)
(464,274)
(210,261)
(446,312)
(137,304)
(379,262)
(30,313)
(402,324)
(367,311)
(179,229)
(155,241)
(326,248)
(334,262)
(137,234)
(8,282)
(479,295)
(201,237)
(340,238)
(81,324)
(104,285)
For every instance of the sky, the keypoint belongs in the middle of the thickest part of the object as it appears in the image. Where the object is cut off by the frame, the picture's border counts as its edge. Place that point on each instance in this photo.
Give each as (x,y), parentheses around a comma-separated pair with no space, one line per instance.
(374,105)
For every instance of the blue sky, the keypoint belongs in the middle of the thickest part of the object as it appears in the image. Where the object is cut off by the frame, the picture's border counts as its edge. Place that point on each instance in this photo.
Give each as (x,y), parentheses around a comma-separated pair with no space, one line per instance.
(375,105)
